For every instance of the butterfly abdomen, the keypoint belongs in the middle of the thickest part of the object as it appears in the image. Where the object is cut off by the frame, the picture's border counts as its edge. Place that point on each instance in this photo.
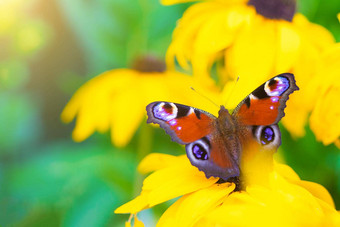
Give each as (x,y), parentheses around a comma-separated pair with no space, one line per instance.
(229,131)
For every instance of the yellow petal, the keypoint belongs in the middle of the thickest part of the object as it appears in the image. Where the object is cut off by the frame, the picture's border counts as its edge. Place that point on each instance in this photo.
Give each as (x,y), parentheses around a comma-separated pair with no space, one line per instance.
(134,206)
(295,118)
(167,219)
(156,161)
(167,183)
(171,182)
(191,207)
(286,171)
(216,34)
(254,51)
(93,101)
(317,190)
(70,110)
(288,47)
(138,223)
(319,36)
(267,207)
(301,103)
(185,32)
(324,120)
(171,2)
(84,125)
(127,115)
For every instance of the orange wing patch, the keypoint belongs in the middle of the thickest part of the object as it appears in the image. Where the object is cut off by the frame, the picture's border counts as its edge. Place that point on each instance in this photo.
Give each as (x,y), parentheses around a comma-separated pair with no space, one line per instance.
(260,111)
(190,128)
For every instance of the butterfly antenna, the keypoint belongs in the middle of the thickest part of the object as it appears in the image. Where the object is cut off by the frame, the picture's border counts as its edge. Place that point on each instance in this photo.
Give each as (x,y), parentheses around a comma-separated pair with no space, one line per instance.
(232,91)
(204,97)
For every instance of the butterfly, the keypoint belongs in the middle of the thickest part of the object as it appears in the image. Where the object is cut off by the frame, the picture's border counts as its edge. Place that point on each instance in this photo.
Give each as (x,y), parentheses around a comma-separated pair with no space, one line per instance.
(214,144)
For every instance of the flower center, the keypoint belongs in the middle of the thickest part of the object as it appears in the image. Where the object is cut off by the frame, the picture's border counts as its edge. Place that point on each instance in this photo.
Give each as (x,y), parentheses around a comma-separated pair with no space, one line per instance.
(275,9)
(148,64)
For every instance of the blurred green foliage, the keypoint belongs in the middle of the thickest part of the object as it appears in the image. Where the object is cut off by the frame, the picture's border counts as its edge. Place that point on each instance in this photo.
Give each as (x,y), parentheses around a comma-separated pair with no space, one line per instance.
(116,32)
(323,13)
(78,185)
(52,181)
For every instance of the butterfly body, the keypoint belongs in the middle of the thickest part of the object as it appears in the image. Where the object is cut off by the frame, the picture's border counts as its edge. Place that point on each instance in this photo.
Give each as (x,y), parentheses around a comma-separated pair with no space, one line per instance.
(215,144)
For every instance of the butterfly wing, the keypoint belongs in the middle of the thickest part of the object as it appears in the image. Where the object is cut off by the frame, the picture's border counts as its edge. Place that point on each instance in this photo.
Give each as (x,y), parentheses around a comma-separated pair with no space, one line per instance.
(265,105)
(184,124)
(197,130)
(263,109)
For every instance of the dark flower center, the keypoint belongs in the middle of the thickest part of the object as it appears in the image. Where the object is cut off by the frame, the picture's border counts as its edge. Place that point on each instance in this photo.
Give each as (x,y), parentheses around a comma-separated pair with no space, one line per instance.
(148,64)
(275,9)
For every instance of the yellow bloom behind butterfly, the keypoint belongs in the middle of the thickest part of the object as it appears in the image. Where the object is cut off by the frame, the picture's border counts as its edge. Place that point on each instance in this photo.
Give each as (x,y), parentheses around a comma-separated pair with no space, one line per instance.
(273,195)
(116,99)
(253,40)
(325,118)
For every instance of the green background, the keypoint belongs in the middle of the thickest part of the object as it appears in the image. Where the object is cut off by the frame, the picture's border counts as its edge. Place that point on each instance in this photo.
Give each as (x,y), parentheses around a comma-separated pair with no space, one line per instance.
(51,49)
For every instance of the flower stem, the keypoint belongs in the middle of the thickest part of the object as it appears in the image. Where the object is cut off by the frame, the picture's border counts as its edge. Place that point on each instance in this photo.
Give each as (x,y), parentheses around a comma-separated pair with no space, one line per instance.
(144,147)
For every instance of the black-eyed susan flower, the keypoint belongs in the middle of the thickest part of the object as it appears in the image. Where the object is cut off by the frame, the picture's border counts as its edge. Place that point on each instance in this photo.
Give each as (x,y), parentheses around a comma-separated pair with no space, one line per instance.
(116,99)
(325,117)
(253,40)
(272,195)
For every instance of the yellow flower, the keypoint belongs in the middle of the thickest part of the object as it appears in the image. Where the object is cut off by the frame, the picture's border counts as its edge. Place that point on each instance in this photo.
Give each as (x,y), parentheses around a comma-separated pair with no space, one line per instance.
(136,222)
(273,195)
(325,118)
(117,99)
(253,40)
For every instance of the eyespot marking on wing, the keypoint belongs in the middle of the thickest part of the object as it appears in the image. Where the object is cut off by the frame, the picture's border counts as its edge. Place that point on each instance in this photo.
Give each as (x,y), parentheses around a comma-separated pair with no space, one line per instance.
(165,111)
(276,86)
(268,136)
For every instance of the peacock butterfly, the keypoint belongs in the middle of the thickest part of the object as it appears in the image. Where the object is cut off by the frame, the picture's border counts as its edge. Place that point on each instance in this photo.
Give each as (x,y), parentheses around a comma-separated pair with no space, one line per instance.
(214,144)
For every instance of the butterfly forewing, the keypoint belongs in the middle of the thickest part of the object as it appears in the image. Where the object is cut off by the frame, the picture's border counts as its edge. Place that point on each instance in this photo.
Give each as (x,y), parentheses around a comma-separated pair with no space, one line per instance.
(265,105)
(184,124)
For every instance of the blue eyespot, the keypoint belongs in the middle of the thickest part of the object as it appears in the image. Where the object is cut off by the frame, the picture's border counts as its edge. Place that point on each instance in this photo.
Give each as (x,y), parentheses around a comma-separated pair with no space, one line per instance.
(199,152)
(267,135)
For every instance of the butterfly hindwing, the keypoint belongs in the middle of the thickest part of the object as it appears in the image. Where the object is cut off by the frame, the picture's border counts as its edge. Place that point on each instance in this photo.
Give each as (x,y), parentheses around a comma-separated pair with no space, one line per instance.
(265,105)
(213,156)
